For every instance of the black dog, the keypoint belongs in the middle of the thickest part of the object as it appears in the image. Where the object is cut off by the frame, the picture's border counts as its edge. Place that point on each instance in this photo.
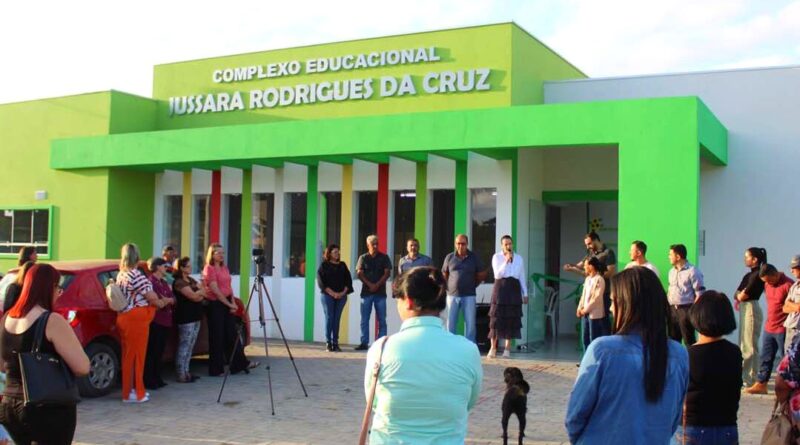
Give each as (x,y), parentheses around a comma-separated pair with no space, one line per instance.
(515,401)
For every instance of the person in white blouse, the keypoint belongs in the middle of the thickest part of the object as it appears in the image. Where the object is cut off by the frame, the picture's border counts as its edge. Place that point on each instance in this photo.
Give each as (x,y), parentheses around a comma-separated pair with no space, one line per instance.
(509,293)
(591,309)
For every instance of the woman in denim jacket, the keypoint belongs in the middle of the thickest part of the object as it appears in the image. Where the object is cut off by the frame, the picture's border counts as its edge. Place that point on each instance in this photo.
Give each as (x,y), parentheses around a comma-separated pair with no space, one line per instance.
(631,385)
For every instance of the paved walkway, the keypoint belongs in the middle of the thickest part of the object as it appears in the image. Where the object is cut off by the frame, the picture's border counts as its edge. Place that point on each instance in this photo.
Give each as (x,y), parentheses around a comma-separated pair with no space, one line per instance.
(187,414)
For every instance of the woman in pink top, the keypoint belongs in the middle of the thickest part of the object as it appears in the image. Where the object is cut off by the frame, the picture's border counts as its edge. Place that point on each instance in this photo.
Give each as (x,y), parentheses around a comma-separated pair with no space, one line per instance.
(222,323)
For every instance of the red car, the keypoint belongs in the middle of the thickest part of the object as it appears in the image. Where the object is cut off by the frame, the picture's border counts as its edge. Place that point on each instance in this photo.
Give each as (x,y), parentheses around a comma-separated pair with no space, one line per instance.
(83,303)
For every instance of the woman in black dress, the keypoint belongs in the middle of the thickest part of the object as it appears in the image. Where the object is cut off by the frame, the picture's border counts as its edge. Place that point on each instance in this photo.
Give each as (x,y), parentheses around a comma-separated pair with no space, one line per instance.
(510,292)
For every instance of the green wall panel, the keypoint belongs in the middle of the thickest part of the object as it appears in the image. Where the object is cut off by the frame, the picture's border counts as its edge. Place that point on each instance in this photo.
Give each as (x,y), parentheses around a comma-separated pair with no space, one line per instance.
(78,197)
(131,113)
(131,197)
(533,63)
(459,49)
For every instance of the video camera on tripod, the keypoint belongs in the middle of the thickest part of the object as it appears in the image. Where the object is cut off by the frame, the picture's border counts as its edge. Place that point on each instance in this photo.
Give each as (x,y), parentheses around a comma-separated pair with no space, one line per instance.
(258,292)
(260,261)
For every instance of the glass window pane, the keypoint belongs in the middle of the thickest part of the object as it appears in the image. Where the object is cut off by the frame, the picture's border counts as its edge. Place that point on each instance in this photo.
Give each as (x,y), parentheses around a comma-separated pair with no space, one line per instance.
(173,221)
(233,241)
(333,218)
(483,217)
(367,221)
(442,225)
(201,231)
(6,228)
(6,220)
(262,228)
(296,205)
(22,226)
(404,202)
(40,223)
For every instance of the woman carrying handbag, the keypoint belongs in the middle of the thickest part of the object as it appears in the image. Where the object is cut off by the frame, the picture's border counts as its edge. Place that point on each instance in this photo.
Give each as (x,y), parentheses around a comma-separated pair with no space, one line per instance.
(26,422)
(782,426)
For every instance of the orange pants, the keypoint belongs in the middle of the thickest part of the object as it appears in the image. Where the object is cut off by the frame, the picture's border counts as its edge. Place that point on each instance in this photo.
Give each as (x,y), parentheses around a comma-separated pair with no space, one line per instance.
(134,327)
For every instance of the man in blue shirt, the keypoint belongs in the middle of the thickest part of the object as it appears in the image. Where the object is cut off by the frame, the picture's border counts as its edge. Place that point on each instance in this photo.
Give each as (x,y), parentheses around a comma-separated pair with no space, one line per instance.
(464,272)
(413,259)
(373,269)
(685,286)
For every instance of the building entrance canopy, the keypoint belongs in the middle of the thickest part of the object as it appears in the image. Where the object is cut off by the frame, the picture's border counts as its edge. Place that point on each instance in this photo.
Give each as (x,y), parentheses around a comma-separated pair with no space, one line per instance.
(660,144)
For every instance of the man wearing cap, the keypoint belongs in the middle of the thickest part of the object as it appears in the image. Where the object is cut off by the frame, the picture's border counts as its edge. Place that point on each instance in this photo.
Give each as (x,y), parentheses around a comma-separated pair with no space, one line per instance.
(792,305)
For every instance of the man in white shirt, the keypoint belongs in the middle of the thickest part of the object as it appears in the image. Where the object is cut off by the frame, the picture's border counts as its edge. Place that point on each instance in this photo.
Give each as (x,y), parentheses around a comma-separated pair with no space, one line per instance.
(638,258)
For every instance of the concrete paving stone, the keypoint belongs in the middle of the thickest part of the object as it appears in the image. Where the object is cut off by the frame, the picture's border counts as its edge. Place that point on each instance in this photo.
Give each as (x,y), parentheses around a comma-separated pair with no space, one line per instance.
(187,414)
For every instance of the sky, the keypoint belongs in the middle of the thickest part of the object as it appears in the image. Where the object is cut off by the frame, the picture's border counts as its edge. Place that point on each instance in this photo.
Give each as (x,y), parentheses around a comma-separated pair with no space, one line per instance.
(50,48)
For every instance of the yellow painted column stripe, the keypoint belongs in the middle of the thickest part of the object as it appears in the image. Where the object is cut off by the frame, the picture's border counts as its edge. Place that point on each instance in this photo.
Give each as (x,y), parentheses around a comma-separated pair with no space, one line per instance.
(347,243)
(186,216)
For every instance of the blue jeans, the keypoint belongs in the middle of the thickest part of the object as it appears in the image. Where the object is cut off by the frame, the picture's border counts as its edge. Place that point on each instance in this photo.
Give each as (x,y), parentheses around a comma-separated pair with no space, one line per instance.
(367,302)
(771,346)
(333,315)
(467,304)
(707,435)
(593,329)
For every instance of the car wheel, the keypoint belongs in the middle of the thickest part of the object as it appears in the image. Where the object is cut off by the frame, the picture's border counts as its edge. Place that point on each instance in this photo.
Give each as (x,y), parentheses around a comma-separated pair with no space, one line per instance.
(103,371)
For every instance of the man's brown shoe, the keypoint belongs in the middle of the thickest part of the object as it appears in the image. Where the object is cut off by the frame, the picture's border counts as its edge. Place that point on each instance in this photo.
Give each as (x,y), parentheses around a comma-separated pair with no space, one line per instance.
(757,388)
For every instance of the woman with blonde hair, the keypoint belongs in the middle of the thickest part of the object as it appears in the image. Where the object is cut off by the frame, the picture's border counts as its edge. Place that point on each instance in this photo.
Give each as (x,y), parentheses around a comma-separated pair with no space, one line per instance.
(133,323)
(221,316)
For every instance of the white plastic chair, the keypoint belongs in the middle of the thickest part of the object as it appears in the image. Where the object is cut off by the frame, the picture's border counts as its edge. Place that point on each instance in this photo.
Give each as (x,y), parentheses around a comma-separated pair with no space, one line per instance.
(551,310)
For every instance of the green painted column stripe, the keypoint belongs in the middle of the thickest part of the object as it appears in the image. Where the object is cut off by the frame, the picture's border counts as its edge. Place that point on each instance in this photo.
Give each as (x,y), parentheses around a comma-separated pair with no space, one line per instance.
(421,208)
(312,224)
(460,220)
(460,225)
(245,242)
(323,220)
(514,192)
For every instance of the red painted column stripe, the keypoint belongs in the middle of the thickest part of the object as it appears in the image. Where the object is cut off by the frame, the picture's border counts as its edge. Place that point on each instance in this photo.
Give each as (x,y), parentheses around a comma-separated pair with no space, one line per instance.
(383,206)
(383,216)
(216,205)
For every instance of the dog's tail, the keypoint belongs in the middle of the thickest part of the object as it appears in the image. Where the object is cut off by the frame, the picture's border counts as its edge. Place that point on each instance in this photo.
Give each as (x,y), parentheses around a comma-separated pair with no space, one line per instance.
(525,387)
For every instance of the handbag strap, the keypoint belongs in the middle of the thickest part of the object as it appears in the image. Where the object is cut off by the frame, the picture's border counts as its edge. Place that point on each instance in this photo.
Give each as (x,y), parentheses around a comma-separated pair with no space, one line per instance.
(376,370)
(683,436)
(39,333)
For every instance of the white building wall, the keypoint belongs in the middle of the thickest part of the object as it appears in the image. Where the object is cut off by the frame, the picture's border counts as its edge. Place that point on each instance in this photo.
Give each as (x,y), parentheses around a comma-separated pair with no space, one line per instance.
(750,202)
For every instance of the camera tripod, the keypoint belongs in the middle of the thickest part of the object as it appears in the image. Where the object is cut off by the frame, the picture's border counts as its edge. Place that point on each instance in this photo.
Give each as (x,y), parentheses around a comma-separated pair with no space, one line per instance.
(260,289)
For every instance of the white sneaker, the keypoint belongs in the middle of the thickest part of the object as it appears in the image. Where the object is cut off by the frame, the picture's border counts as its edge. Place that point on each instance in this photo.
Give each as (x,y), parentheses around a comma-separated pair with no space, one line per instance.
(133,399)
(492,353)
(506,354)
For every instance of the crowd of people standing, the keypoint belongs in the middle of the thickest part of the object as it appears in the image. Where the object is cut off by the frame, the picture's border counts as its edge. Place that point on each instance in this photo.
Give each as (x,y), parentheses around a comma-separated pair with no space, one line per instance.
(649,327)
(164,295)
(671,339)
(462,271)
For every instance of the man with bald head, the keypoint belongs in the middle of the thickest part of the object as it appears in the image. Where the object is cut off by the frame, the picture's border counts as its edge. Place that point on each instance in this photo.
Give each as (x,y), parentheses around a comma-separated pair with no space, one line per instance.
(464,272)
